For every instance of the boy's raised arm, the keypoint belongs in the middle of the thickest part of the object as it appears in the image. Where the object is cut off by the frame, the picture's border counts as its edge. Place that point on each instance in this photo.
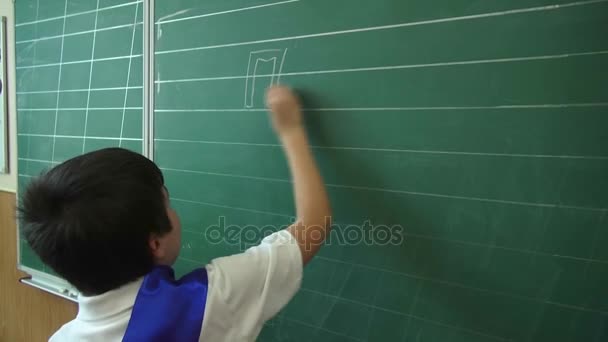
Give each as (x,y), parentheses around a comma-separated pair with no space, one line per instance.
(312,204)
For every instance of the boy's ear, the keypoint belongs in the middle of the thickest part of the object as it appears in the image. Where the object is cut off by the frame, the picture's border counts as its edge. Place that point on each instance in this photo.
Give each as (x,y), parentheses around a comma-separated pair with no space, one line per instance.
(156,247)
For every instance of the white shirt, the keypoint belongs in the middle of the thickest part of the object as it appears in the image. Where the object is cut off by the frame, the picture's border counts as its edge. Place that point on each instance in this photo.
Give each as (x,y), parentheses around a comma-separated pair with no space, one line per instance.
(244,291)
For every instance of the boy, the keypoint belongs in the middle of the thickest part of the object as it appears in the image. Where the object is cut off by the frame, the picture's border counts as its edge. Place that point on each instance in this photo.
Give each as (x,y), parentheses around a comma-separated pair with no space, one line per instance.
(103,222)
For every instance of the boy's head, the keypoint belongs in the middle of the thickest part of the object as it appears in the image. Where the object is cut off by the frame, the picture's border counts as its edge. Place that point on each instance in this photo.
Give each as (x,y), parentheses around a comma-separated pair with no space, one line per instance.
(101,220)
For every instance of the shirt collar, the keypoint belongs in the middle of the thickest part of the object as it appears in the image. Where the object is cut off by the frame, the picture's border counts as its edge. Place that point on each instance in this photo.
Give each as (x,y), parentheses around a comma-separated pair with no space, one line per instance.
(108,304)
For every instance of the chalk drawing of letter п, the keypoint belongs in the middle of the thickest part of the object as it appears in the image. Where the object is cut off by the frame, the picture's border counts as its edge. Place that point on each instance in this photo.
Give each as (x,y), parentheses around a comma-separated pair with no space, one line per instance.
(274,57)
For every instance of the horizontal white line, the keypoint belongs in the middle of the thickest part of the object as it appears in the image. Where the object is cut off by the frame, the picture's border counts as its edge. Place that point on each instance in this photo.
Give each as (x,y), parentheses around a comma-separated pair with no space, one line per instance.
(574,307)
(74,90)
(26,176)
(467,198)
(317,328)
(38,160)
(394,67)
(162,22)
(460,285)
(229,207)
(422,236)
(76,14)
(168,110)
(375,307)
(75,137)
(385,27)
(506,248)
(524,106)
(76,33)
(393,109)
(277,180)
(488,154)
(78,62)
(82,108)
(404,192)
(312,327)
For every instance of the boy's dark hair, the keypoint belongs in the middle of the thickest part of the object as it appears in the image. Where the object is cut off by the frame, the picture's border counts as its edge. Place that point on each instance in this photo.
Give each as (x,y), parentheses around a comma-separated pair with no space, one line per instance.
(91,217)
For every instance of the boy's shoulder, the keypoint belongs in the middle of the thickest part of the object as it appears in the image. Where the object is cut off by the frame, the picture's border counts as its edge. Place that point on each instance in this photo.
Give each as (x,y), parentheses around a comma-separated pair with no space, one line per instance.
(244,291)
(247,289)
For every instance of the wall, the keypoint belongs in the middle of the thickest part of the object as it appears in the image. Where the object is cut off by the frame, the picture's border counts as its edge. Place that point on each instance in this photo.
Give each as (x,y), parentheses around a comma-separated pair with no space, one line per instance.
(26,313)
(8,182)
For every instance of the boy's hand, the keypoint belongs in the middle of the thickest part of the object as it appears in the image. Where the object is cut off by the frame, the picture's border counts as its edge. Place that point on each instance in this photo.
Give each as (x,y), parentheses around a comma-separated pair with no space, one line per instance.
(285,110)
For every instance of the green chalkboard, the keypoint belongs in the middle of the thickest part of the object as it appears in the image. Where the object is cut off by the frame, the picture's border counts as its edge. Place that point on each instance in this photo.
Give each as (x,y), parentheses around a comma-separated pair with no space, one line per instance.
(477,127)
(79,84)
(463,142)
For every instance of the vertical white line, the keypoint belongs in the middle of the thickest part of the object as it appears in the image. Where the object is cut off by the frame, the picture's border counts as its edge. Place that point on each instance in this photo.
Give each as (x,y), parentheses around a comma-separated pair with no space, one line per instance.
(373,309)
(337,298)
(148,89)
(86,114)
(281,65)
(29,139)
(247,80)
(124,110)
(6,155)
(255,72)
(410,313)
(274,69)
(65,13)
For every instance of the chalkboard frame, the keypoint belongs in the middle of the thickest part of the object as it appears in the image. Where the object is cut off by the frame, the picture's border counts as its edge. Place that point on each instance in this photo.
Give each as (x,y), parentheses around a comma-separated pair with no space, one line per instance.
(4,141)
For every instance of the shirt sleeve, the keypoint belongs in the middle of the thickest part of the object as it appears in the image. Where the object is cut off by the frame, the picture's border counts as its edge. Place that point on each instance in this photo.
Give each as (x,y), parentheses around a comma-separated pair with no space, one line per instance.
(247,289)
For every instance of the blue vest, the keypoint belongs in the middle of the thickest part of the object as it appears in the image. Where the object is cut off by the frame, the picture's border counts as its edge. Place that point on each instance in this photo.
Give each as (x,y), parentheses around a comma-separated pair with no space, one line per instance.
(166,309)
